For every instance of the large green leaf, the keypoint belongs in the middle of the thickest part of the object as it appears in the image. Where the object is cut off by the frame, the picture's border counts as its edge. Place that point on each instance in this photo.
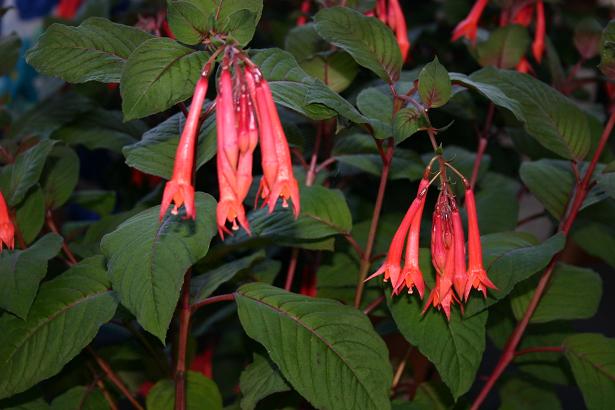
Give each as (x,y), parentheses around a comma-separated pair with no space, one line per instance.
(9,50)
(95,51)
(189,20)
(80,398)
(64,318)
(366,39)
(30,214)
(101,202)
(376,104)
(201,393)
(147,260)
(505,47)
(497,204)
(159,73)
(455,347)
(434,84)
(510,258)
(60,176)
(294,88)
(17,178)
(596,239)
(553,119)
(327,351)
(518,394)
(260,379)
(592,358)
(21,272)
(550,181)
(572,293)
(155,153)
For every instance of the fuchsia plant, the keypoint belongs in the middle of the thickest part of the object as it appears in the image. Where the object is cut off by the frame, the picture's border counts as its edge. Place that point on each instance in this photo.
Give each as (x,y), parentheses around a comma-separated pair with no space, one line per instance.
(266,205)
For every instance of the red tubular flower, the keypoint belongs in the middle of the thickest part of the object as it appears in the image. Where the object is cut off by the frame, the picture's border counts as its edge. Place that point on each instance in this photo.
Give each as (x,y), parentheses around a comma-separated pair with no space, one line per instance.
(67,9)
(381,10)
(411,275)
(305,10)
(523,15)
(469,26)
(524,66)
(279,180)
(391,268)
(397,21)
(230,208)
(7,229)
(477,276)
(460,277)
(538,45)
(179,189)
(246,140)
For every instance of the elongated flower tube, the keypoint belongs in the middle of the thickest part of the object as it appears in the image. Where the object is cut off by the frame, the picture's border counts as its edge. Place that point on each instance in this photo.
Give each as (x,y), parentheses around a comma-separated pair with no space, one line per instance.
(7,229)
(179,189)
(469,26)
(538,45)
(279,180)
(477,276)
(230,208)
(391,268)
(305,10)
(247,139)
(523,15)
(397,21)
(460,277)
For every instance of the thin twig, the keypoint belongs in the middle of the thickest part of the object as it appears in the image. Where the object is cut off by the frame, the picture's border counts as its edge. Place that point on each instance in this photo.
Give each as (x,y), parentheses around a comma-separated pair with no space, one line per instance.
(482,144)
(370,308)
(114,378)
(53,228)
(557,349)
(292,268)
(182,344)
(229,297)
(400,369)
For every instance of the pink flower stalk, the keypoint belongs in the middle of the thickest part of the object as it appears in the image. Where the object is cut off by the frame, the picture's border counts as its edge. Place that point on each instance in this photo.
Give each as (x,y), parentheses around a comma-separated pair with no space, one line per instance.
(179,189)
(477,276)
(469,26)
(230,208)
(7,229)
(538,45)
(279,180)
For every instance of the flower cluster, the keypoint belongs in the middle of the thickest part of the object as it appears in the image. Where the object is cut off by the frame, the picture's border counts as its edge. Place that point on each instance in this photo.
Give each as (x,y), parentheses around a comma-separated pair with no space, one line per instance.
(245,115)
(448,251)
(7,229)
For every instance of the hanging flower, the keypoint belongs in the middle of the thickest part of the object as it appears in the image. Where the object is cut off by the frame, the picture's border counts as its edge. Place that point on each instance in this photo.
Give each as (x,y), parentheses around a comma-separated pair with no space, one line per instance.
(460,276)
(247,139)
(7,229)
(305,10)
(393,16)
(469,26)
(477,276)
(538,45)
(179,189)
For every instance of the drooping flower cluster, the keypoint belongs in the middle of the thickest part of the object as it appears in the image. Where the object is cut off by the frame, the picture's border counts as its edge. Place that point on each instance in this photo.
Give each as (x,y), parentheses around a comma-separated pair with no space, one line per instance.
(391,14)
(245,114)
(454,281)
(7,229)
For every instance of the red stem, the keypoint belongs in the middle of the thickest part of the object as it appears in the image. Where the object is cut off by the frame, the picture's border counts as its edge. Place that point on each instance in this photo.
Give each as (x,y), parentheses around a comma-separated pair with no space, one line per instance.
(53,228)
(370,308)
(292,268)
(579,196)
(557,349)
(229,297)
(482,144)
(182,344)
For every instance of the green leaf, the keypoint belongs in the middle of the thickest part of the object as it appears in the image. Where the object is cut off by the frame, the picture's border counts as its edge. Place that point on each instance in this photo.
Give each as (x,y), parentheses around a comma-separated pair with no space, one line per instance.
(80,398)
(36,404)
(377,105)
(95,51)
(60,176)
(553,119)
(587,37)
(492,93)
(101,202)
(159,73)
(432,396)
(505,47)
(596,239)
(295,89)
(434,84)
(572,293)
(259,380)
(17,178)
(510,258)
(497,204)
(407,122)
(201,393)
(551,182)
(189,19)
(100,129)
(607,50)
(455,347)
(30,214)
(239,18)
(335,69)
(64,318)
(327,351)
(366,39)
(21,272)
(592,358)
(147,260)
(606,182)
(155,153)
(9,50)
(202,286)
(518,394)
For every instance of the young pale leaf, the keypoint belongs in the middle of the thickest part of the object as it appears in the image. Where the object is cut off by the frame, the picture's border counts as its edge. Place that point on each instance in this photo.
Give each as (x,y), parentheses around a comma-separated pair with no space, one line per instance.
(30,214)
(327,351)
(80,398)
(573,293)
(155,153)
(434,84)
(64,318)
(96,50)
(189,19)
(21,272)
(60,176)
(407,122)
(505,47)
(9,50)
(159,73)
(607,51)
(201,393)
(148,259)
(592,358)
(260,379)
(366,39)
(510,258)
(17,178)
(553,119)
(455,347)
(518,394)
